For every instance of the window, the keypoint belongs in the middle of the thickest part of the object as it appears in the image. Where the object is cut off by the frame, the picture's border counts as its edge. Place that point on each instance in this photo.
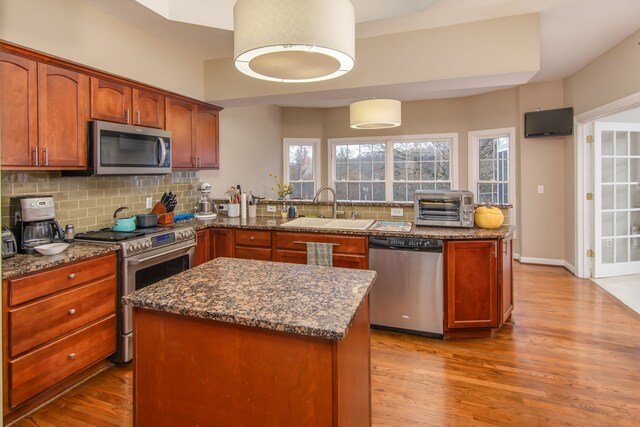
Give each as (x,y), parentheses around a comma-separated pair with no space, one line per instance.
(491,157)
(302,166)
(392,168)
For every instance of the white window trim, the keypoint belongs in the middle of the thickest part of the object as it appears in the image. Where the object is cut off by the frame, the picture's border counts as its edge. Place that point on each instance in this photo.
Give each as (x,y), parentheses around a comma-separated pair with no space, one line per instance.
(332,142)
(317,170)
(474,154)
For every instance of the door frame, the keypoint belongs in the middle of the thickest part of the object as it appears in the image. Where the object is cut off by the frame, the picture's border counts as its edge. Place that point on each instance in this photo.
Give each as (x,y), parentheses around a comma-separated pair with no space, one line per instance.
(584,178)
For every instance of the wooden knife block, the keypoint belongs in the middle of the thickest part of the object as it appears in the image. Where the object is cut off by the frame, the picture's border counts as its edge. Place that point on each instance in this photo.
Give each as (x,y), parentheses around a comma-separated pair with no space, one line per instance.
(164,217)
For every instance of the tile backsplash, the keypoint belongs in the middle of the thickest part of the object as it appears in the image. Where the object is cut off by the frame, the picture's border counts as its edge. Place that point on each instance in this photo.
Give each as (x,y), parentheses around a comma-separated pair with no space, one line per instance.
(89,202)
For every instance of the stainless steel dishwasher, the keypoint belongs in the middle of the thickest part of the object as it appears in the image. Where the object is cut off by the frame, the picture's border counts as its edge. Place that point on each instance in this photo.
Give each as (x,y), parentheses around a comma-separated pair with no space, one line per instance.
(407,295)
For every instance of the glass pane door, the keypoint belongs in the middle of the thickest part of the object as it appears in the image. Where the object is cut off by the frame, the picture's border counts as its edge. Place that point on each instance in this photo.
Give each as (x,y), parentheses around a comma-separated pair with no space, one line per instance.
(617,199)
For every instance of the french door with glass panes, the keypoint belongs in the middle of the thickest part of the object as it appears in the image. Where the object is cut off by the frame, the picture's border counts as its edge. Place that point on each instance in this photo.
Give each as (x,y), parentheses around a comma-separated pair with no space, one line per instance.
(617,199)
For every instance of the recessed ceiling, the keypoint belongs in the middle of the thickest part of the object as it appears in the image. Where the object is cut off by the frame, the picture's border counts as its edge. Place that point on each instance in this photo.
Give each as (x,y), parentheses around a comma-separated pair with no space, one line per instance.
(572,33)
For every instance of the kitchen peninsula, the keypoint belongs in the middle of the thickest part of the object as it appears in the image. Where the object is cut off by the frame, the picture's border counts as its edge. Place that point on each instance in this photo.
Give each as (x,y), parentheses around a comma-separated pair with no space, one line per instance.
(243,342)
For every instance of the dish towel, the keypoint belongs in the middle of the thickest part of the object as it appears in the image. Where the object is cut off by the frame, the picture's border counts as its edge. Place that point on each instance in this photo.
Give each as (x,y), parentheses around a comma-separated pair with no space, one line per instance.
(320,254)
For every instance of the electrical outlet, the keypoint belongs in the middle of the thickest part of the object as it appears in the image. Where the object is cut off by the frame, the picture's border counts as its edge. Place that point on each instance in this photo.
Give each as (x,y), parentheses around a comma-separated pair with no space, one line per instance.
(540,189)
(149,202)
(223,207)
(397,212)
(271,208)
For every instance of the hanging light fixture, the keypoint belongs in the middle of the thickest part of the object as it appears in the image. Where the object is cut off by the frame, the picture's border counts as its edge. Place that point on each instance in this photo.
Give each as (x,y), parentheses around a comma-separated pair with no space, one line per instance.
(375,114)
(294,41)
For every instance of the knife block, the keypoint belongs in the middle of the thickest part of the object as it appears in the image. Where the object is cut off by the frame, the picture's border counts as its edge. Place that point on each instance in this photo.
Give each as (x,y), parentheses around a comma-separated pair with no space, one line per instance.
(164,217)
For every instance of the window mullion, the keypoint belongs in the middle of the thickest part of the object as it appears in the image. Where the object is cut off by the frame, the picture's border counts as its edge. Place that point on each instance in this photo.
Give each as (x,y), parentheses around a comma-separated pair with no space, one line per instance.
(388,168)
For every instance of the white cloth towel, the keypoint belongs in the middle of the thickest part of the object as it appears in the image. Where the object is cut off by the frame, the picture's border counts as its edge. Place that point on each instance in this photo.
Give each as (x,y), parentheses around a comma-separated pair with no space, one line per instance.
(320,254)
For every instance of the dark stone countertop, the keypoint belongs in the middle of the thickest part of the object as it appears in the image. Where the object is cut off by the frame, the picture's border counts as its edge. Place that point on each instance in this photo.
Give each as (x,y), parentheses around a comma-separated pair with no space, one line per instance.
(294,298)
(274,224)
(21,264)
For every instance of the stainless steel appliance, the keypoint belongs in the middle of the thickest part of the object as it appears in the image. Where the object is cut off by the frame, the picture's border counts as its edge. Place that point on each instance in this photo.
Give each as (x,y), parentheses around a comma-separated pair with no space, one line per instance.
(32,219)
(146,257)
(129,150)
(205,207)
(407,295)
(444,208)
(9,246)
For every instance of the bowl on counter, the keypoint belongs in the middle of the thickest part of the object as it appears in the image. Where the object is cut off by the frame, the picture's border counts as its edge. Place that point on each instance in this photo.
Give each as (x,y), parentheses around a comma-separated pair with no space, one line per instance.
(51,248)
(147,220)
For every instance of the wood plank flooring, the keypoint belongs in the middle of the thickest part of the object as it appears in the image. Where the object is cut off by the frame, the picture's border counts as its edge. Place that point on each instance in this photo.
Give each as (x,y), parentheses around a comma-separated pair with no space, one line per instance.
(573,358)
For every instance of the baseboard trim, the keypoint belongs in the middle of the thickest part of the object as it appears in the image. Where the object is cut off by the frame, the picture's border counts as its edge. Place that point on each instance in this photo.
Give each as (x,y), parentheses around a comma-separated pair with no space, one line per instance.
(570,268)
(516,256)
(542,261)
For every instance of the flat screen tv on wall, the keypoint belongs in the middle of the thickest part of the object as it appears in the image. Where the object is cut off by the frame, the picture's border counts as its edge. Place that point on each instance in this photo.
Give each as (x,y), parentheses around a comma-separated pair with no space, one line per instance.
(548,123)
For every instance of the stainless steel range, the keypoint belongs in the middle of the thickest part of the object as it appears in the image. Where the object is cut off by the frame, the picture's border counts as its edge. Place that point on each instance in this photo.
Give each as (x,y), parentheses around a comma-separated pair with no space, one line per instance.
(147,256)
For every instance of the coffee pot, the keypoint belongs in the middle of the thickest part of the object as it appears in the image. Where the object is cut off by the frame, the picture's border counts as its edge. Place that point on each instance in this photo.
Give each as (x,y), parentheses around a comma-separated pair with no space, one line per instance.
(33,222)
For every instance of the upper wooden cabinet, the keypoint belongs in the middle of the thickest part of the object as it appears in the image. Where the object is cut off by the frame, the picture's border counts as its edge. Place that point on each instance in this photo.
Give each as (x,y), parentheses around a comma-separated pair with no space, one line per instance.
(471,284)
(18,110)
(194,135)
(115,102)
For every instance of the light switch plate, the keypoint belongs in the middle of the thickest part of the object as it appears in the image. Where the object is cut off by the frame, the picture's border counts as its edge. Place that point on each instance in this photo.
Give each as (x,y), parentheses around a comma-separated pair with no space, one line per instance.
(397,212)
(540,189)
(271,208)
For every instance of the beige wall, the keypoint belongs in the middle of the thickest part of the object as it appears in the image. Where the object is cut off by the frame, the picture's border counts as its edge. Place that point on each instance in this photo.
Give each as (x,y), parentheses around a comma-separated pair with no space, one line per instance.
(250,149)
(73,30)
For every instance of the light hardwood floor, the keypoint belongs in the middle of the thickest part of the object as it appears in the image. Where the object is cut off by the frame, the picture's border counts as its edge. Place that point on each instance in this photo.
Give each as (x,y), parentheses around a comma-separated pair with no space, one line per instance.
(573,358)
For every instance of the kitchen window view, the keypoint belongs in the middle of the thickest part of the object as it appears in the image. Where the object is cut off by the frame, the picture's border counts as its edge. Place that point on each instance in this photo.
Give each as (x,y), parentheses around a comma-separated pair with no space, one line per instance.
(301,166)
(391,170)
(492,165)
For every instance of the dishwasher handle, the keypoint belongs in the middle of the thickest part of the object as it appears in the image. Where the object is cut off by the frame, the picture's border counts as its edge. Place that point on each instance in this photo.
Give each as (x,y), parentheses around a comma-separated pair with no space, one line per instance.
(405,244)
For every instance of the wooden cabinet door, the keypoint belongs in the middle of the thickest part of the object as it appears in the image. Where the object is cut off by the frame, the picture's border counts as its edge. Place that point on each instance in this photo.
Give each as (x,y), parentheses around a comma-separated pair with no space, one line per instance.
(110,101)
(63,111)
(181,121)
(471,284)
(206,147)
(221,243)
(148,108)
(506,279)
(202,247)
(18,110)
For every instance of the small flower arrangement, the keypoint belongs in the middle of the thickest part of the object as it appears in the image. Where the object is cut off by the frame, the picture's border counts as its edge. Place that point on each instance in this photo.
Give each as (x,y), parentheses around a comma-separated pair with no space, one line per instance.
(283,189)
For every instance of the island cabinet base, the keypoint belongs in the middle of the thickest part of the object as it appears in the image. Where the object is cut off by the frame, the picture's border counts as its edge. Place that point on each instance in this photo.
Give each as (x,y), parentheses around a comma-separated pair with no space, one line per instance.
(201,372)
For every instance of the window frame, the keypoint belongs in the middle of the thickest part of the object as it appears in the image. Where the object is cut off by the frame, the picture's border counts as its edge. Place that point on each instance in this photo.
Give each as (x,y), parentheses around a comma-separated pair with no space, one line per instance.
(474,158)
(389,167)
(317,170)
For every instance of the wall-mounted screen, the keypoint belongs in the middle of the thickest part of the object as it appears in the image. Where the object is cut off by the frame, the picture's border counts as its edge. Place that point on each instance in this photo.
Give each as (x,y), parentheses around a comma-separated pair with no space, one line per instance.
(548,123)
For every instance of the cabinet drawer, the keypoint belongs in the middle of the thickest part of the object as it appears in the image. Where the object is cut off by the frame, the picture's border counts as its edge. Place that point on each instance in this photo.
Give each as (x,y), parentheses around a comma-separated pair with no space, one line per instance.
(46,319)
(253,238)
(339,260)
(262,254)
(43,368)
(41,284)
(344,244)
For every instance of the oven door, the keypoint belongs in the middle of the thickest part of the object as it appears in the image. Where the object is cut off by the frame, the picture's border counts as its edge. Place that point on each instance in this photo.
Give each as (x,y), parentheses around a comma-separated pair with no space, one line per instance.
(142,270)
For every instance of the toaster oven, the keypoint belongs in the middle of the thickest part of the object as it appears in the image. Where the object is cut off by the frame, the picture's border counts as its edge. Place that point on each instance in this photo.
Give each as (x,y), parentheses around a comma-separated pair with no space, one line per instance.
(444,208)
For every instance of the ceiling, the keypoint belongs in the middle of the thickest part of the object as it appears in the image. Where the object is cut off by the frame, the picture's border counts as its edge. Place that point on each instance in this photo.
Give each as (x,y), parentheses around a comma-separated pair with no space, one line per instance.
(572,33)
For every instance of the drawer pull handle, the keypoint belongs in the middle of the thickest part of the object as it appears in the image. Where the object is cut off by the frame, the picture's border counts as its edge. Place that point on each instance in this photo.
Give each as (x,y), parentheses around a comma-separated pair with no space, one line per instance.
(298,242)
(72,276)
(72,356)
(72,312)
(253,238)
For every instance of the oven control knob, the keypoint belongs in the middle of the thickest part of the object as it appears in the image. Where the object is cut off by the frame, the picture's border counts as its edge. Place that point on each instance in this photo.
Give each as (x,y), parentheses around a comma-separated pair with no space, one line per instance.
(180,235)
(130,248)
(139,246)
(147,244)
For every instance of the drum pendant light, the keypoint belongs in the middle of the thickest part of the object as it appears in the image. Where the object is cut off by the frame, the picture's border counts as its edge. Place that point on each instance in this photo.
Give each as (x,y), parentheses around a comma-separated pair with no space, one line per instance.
(294,41)
(375,114)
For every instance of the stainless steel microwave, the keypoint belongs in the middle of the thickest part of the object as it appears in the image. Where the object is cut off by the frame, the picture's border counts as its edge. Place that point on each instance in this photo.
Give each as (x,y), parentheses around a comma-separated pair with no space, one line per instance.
(444,208)
(118,149)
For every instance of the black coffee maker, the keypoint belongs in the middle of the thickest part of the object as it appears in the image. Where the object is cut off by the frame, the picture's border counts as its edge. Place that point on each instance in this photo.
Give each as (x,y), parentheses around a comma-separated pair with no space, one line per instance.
(33,222)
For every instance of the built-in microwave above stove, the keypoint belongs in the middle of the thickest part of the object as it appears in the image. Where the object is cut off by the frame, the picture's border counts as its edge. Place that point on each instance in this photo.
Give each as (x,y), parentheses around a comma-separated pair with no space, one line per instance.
(444,208)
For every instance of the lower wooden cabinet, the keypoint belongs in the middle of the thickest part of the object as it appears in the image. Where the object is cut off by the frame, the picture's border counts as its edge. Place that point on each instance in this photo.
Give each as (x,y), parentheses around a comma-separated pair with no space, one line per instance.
(202,247)
(59,326)
(348,251)
(252,244)
(221,241)
(505,279)
(471,284)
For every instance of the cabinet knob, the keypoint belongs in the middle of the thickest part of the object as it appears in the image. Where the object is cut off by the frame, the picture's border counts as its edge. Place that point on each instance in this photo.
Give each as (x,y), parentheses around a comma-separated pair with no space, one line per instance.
(72,276)
(253,238)
(72,312)
(72,356)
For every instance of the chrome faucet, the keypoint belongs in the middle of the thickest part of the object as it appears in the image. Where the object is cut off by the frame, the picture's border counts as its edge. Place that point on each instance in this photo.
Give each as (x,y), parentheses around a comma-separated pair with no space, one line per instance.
(335,204)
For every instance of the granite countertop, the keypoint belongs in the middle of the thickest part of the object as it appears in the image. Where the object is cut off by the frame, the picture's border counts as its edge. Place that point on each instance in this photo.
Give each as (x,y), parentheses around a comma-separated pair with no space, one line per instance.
(295,298)
(274,224)
(24,264)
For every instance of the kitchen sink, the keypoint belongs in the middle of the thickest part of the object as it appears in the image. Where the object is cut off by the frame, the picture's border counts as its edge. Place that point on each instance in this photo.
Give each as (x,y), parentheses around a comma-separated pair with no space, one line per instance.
(330,223)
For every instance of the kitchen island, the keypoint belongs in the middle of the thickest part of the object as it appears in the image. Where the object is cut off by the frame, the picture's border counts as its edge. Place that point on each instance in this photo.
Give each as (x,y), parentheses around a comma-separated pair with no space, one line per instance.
(242,342)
